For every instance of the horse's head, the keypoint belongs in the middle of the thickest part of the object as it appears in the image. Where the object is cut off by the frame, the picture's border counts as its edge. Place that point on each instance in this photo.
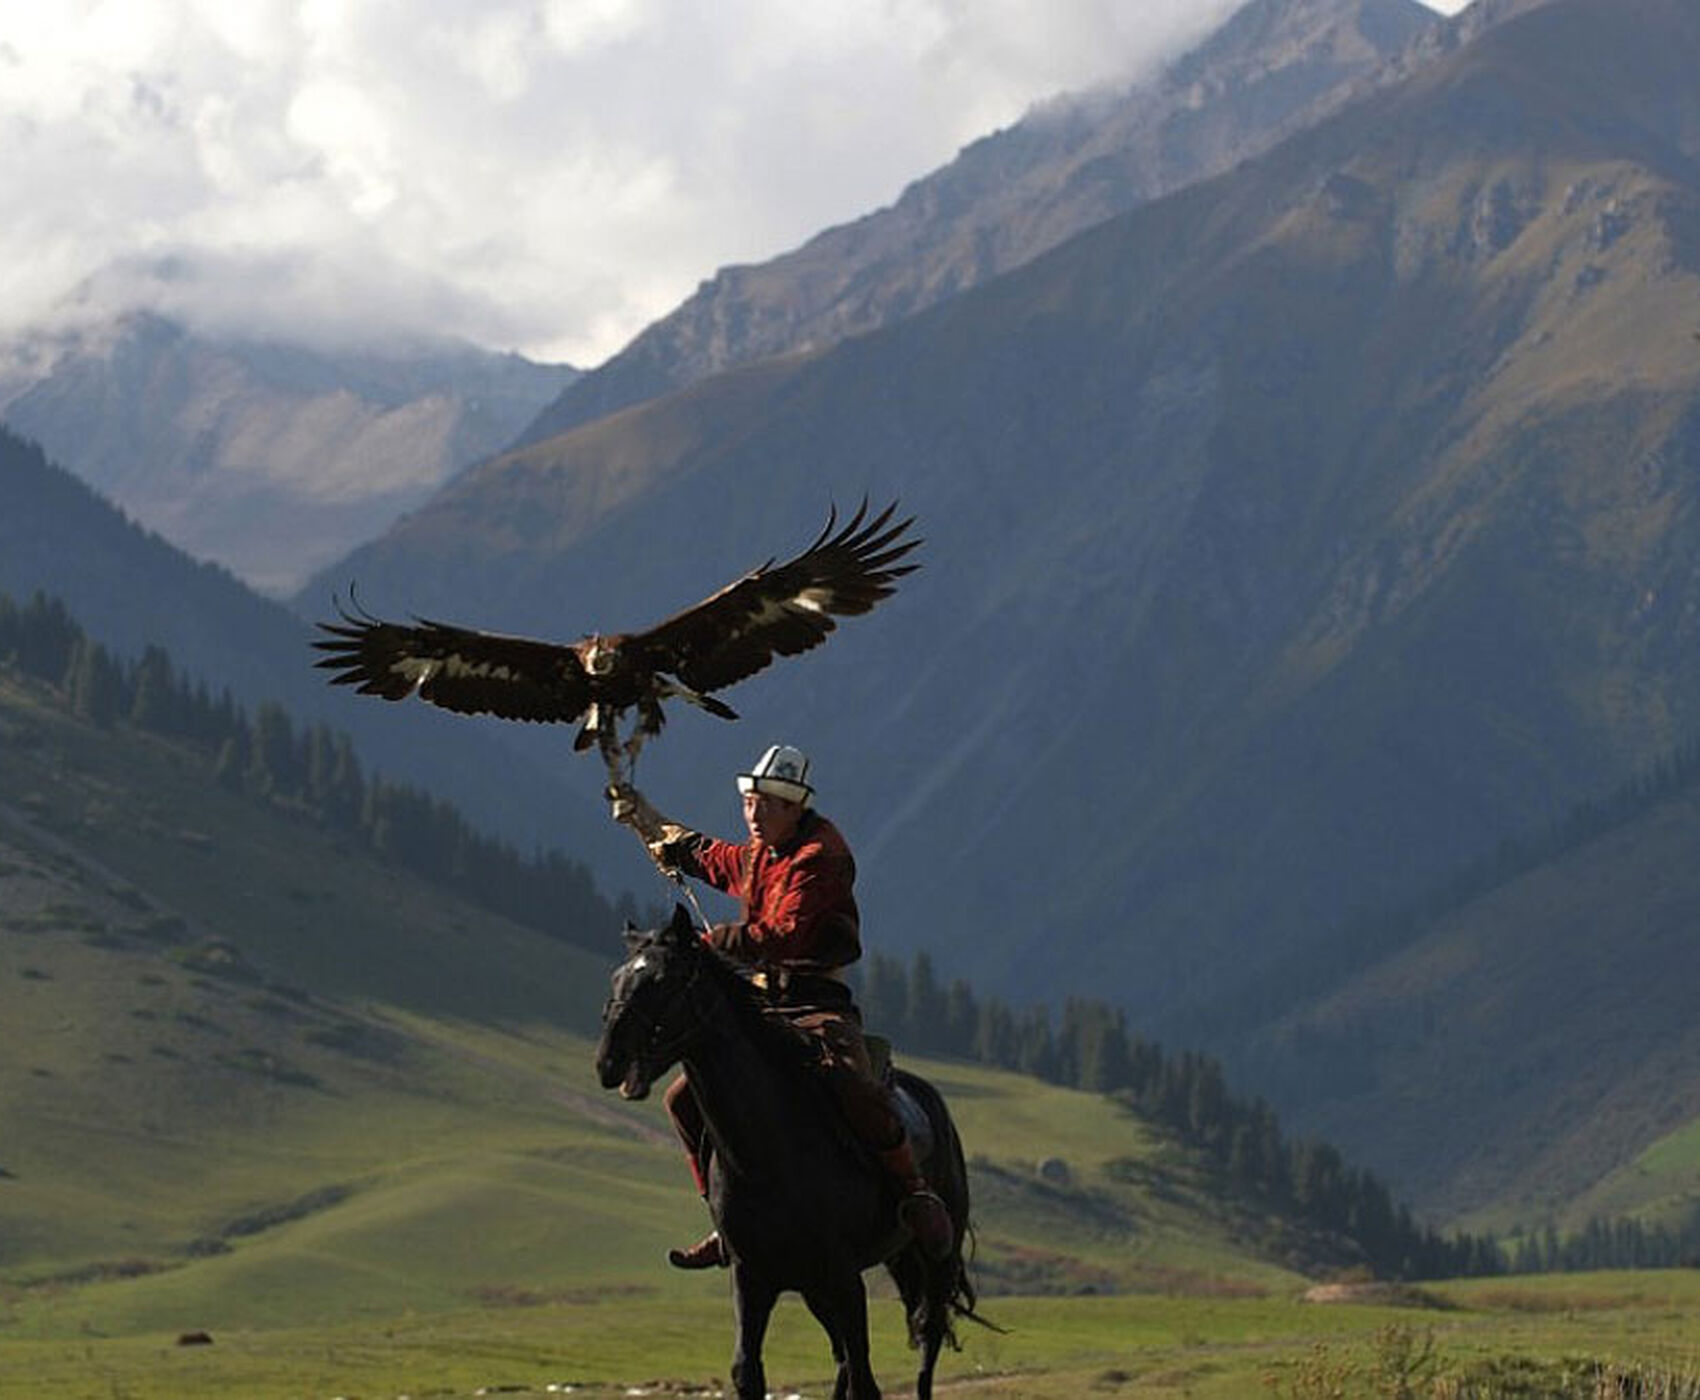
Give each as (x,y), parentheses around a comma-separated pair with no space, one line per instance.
(648,1019)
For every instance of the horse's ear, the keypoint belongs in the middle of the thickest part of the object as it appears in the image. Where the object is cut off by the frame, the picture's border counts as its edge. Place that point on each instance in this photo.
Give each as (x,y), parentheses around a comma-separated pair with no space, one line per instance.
(633,936)
(681,927)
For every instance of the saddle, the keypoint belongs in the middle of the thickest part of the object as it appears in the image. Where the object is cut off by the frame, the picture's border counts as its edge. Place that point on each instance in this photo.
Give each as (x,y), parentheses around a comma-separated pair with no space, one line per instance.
(879,1056)
(916,1124)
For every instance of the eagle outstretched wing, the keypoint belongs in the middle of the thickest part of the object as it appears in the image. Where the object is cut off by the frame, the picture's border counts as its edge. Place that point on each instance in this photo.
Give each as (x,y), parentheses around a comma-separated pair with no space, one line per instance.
(458,668)
(774,610)
(782,609)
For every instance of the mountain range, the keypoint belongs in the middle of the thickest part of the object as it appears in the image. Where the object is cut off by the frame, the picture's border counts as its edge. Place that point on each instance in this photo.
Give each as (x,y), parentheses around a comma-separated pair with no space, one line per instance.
(1290,539)
(269,458)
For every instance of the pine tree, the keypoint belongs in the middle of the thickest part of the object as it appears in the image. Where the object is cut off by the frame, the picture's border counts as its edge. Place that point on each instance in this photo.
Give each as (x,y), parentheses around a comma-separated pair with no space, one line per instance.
(924,1013)
(961,1019)
(1035,1049)
(885,998)
(94,683)
(153,700)
(46,634)
(11,630)
(995,1038)
(272,767)
(231,764)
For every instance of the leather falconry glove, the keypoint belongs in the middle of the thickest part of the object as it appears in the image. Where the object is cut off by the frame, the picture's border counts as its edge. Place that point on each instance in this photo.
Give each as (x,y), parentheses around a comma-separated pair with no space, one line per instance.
(630,807)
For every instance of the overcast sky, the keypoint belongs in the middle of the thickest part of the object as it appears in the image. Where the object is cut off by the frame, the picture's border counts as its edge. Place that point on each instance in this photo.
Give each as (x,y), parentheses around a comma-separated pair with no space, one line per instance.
(540,175)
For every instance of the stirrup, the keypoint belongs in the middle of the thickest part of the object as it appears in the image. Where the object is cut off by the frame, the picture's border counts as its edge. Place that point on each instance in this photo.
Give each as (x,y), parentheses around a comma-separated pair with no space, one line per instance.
(707,1253)
(924,1214)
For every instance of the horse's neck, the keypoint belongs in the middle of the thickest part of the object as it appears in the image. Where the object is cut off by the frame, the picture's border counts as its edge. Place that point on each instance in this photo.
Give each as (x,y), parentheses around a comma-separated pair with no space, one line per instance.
(748,1096)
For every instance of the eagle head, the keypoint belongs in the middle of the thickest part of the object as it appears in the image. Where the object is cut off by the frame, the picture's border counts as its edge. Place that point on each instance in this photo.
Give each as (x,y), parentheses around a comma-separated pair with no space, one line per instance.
(600,655)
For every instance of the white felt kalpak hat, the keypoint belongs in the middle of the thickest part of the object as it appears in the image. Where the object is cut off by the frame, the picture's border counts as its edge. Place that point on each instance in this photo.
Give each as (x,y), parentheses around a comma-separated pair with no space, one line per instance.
(783,772)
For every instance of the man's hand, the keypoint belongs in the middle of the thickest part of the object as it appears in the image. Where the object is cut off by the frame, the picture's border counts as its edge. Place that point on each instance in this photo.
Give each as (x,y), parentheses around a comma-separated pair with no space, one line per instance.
(629,807)
(733,940)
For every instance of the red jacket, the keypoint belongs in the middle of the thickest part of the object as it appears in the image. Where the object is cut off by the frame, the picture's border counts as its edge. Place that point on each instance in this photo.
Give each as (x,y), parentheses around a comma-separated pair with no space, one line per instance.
(798,902)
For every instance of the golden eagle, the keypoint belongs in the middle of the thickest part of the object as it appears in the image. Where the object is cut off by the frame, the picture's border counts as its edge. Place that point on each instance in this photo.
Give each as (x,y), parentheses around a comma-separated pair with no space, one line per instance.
(774,610)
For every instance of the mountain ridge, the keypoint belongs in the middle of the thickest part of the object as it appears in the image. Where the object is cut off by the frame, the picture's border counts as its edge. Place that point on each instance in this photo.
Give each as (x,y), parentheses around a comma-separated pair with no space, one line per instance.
(269,458)
(1273,67)
(132,589)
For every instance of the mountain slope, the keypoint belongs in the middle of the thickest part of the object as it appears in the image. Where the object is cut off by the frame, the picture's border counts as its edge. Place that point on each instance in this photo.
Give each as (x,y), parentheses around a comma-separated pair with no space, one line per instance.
(131,590)
(1291,539)
(1516,1055)
(269,459)
(1275,67)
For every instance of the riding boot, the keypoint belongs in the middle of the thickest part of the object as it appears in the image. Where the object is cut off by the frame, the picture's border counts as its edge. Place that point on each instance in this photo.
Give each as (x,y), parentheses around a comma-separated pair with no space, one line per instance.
(921,1210)
(706,1253)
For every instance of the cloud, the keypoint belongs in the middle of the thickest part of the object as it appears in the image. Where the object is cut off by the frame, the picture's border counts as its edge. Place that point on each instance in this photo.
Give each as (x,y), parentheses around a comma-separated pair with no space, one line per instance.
(547,175)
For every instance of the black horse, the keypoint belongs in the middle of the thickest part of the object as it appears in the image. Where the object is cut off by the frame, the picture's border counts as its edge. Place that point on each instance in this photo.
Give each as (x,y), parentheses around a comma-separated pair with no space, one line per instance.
(799,1203)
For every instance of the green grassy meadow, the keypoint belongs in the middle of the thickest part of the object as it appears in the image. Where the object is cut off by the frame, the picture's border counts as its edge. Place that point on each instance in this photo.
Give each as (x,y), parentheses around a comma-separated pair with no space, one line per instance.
(612,1342)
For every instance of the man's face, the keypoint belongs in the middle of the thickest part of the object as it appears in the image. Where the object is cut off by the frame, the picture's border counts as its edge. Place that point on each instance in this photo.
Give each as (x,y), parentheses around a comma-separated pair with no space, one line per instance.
(771,820)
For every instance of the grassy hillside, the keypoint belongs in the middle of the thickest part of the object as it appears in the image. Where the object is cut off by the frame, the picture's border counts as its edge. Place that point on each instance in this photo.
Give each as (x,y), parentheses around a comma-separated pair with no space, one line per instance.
(206,1005)
(1659,1184)
(1530,1054)
(250,1079)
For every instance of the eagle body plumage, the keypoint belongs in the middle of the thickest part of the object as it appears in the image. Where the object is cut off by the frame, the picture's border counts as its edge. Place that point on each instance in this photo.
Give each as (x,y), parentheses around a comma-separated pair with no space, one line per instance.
(774,610)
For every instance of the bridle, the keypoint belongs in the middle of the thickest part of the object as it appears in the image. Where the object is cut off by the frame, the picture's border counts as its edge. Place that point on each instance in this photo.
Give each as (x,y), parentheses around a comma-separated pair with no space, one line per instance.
(653,1048)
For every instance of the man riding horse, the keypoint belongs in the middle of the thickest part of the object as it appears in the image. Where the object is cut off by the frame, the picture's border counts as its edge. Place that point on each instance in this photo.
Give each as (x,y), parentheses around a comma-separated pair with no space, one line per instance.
(798,930)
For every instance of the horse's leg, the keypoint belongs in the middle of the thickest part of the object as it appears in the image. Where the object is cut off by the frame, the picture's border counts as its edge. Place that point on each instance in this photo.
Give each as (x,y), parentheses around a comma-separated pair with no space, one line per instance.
(842,1306)
(829,1322)
(752,1305)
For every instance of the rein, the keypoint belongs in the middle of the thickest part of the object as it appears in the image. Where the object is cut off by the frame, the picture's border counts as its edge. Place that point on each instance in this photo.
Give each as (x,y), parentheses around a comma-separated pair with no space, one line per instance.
(677,877)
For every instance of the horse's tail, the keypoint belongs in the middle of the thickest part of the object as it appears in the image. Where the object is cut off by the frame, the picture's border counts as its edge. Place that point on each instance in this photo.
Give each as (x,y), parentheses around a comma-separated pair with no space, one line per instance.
(936,1293)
